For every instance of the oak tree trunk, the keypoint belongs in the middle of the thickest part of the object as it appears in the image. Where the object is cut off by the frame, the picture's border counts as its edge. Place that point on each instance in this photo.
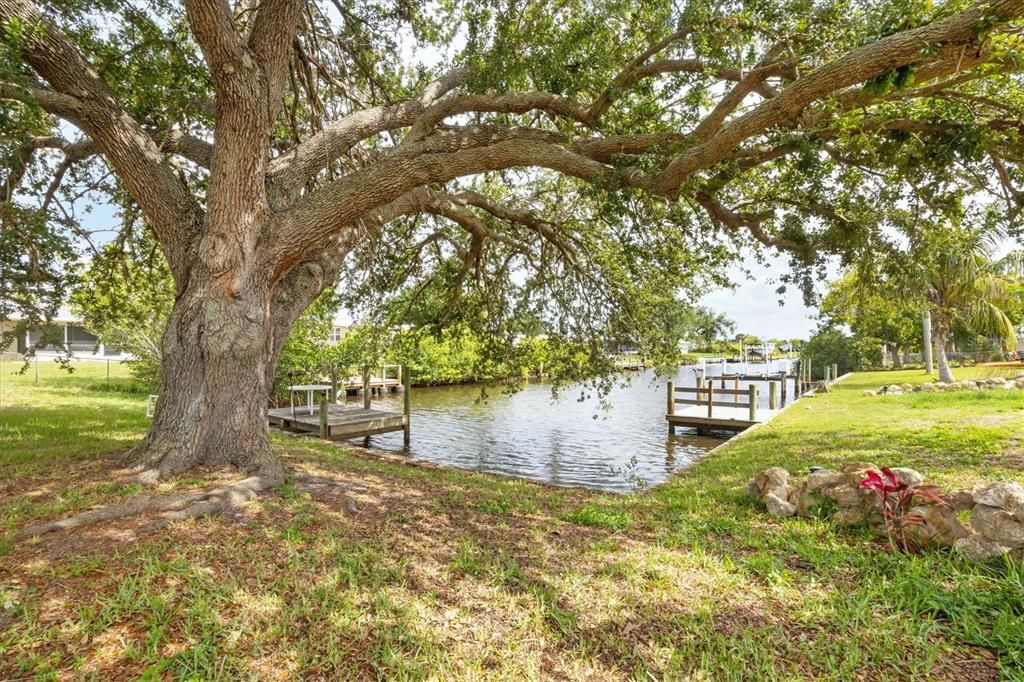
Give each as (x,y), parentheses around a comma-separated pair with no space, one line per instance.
(215,374)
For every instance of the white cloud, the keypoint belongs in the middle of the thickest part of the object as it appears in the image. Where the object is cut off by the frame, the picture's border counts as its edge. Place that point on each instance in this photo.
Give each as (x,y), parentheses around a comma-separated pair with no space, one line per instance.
(755,305)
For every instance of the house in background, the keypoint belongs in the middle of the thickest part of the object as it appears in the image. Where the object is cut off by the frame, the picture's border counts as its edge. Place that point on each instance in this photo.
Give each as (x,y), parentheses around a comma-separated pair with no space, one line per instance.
(67,329)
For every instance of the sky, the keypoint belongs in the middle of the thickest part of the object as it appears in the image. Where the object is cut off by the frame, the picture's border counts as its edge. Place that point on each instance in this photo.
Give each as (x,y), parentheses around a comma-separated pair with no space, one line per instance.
(754,306)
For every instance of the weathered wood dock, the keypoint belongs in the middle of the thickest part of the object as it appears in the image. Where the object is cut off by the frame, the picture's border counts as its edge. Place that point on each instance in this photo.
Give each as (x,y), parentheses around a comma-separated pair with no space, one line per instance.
(724,419)
(335,421)
(722,409)
(718,408)
(340,422)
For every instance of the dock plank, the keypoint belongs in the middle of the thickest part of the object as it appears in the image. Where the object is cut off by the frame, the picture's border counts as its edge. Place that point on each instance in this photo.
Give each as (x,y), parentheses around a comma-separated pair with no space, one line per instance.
(343,422)
(727,418)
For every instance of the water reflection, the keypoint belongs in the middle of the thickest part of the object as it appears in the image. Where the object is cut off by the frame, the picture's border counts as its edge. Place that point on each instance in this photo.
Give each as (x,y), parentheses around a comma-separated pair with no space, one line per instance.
(569,440)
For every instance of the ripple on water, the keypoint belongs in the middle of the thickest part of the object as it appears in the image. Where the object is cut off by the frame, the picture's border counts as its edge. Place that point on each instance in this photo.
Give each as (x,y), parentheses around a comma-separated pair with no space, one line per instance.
(564,441)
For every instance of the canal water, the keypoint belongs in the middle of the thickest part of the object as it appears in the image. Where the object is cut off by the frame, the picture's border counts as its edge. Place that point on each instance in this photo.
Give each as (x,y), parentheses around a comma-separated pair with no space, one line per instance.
(571,439)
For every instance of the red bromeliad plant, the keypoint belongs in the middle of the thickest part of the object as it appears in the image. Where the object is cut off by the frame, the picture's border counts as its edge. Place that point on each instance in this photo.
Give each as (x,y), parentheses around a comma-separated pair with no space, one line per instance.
(895,499)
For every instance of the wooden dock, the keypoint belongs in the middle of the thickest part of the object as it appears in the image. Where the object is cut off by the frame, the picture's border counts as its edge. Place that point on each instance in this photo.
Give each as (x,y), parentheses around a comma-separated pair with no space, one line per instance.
(342,421)
(335,421)
(722,419)
(721,409)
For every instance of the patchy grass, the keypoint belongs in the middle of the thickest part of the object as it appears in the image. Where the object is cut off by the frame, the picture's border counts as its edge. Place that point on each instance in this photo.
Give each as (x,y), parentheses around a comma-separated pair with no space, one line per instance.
(398,572)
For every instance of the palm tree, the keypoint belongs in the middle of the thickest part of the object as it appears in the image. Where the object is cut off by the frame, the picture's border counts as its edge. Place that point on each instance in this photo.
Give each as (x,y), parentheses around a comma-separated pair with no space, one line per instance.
(962,281)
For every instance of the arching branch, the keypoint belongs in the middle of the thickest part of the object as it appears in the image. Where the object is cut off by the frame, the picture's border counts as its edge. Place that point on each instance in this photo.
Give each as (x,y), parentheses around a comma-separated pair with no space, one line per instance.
(83,98)
(856,66)
(296,166)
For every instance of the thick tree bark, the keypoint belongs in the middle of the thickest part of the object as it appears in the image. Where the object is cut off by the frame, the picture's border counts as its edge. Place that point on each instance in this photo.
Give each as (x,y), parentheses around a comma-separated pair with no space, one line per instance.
(941,336)
(212,408)
(897,361)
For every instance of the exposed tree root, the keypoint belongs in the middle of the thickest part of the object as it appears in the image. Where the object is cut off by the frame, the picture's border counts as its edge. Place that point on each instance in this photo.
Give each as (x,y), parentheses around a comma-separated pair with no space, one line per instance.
(172,508)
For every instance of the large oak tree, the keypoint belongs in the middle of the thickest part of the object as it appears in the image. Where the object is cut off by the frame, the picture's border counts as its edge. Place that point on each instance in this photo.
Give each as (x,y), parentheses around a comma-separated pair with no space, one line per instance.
(270,143)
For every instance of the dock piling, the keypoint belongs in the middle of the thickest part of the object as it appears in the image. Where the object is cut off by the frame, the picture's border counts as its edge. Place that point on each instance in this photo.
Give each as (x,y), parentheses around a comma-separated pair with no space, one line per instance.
(711,397)
(366,387)
(324,429)
(772,395)
(752,399)
(407,404)
(670,406)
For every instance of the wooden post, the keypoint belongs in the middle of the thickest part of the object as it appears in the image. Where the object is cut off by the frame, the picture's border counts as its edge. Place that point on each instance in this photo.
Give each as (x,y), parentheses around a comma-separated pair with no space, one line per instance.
(670,406)
(752,398)
(324,432)
(407,404)
(835,371)
(785,380)
(366,387)
(772,395)
(334,383)
(736,387)
(711,397)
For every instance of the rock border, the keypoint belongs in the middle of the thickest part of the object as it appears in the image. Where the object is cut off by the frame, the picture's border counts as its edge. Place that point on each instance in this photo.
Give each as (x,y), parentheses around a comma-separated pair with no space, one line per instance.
(994,527)
(993,383)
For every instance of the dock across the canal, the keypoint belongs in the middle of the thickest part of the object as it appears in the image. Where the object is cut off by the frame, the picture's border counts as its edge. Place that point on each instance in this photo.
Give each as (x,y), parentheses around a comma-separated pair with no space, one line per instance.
(728,407)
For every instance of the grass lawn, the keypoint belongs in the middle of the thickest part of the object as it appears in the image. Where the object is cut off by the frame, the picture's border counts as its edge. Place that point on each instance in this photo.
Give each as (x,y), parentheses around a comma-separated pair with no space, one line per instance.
(398,572)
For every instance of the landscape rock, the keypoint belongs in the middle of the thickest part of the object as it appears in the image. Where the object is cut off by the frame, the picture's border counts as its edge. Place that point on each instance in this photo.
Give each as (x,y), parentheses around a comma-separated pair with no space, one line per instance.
(928,388)
(1008,495)
(857,471)
(804,499)
(774,480)
(941,526)
(979,548)
(869,394)
(777,506)
(961,499)
(846,496)
(998,525)
(908,476)
(824,478)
